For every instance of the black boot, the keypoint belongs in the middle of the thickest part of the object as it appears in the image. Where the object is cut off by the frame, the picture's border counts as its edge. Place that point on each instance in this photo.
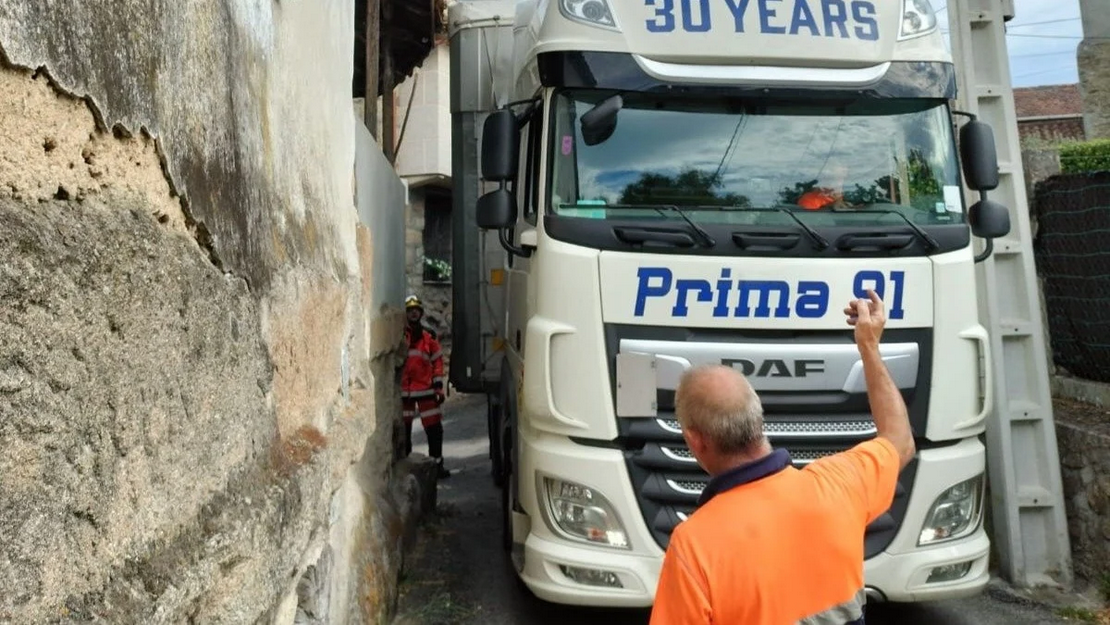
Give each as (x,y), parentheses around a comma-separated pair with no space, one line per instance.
(435,448)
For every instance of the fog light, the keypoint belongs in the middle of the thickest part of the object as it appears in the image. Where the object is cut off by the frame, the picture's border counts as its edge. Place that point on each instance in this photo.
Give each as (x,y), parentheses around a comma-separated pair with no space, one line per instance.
(582,513)
(945,573)
(591,577)
(955,513)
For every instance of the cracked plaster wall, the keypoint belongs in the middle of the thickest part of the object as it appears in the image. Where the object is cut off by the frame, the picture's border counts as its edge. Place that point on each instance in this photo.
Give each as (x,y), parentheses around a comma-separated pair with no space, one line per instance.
(197,333)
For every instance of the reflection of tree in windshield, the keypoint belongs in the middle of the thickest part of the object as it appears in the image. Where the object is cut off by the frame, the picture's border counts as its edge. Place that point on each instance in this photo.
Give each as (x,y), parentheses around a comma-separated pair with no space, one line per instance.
(923,187)
(692,187)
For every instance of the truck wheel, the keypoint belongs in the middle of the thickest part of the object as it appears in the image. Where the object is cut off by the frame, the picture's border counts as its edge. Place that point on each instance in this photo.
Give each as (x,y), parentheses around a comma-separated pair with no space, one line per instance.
(508,488)
(493,423)
(506,513)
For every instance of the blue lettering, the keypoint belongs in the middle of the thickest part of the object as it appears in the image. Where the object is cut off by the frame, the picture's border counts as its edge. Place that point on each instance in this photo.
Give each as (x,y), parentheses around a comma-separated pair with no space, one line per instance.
(688,16)
(803,17)
(685,286)
(646,290)
(664,16)
(765,15)
(864,13)
(738,7)
(764,288)
(762,299)
(836,14)
(724,286)
(869,279)
(877,282)
(813,299)
(896,312)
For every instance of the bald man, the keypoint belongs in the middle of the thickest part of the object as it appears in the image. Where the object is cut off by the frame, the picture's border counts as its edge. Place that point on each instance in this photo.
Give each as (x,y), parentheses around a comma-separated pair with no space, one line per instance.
(771,544)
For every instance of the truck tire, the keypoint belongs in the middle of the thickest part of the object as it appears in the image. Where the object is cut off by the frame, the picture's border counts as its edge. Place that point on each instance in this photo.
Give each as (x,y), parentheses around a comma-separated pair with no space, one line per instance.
(493,425)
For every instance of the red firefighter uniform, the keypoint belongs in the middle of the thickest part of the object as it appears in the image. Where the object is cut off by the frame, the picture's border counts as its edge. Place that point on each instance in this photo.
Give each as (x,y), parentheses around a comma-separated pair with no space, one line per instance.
(422,378)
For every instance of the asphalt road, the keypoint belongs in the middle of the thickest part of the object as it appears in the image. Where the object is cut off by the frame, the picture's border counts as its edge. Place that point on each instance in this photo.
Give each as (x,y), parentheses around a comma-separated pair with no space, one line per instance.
(457,573)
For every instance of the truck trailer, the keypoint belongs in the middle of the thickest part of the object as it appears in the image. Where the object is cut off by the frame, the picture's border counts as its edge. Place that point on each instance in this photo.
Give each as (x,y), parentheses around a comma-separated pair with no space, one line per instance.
(645,186)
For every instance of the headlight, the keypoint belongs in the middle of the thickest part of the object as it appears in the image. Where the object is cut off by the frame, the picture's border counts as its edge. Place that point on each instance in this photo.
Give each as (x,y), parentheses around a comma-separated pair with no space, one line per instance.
(955,513)
(592,12)
(582,513)
(918,18)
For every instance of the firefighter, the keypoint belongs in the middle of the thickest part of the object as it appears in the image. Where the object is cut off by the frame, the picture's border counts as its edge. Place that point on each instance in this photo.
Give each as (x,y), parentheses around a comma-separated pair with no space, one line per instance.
(831,196)
(422,383)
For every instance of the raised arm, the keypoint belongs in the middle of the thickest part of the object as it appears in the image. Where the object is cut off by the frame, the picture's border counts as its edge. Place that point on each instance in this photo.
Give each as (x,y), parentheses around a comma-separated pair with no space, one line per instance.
(887,405)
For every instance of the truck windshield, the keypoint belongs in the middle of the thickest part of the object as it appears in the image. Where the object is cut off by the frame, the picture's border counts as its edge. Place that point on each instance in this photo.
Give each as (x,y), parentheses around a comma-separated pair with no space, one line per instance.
(862,160)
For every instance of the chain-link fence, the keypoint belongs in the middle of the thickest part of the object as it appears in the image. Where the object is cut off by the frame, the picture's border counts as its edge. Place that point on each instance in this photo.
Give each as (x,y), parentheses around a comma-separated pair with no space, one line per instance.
(1072,251)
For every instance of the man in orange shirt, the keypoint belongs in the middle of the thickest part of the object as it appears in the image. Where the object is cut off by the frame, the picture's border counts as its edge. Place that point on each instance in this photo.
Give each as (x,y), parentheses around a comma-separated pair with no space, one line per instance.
(771,544)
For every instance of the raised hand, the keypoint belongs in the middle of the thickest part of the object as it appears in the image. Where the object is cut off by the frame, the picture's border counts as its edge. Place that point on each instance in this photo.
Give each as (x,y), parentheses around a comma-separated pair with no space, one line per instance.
(868,317)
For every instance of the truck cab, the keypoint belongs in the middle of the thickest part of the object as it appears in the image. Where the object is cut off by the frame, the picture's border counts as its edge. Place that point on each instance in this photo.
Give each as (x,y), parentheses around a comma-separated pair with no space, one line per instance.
(683,182)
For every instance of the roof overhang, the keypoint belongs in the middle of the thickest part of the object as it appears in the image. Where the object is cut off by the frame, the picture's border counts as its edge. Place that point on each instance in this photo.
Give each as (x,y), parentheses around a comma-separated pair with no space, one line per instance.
(413,29)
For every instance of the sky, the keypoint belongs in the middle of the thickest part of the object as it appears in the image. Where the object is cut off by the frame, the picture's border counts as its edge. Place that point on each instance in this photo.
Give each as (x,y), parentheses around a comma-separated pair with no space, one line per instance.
(1042,40)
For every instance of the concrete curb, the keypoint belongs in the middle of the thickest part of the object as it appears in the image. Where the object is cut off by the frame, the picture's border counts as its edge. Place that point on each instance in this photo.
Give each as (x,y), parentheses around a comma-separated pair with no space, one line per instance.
(1047,598)
(1003,592)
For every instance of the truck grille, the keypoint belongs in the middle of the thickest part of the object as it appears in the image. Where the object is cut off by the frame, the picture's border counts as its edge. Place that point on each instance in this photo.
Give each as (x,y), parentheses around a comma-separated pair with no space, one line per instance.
(854,429)
(668,480)
(821,413)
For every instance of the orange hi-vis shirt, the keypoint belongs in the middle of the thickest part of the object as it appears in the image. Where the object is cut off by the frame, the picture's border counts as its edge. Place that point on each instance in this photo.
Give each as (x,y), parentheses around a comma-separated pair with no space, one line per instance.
(772,544)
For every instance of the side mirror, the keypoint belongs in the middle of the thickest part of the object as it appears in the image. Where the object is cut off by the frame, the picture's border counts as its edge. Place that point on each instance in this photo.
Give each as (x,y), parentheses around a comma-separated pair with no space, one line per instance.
(988,219)
(500,146)
(599,122)
(979,156)
(496,209)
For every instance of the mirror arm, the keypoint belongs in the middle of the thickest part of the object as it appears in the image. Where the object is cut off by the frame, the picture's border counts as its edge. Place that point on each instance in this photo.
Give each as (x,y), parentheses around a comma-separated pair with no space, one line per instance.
(989,248)
(503,235)
(987,251)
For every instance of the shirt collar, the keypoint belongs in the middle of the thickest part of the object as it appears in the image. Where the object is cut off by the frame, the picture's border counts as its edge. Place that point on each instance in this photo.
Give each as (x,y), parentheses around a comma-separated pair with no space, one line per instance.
(763,467)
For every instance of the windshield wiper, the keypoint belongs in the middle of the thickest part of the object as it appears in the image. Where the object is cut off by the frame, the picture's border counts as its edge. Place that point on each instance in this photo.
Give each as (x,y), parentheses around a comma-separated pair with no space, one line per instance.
(704,238)
(821,242)
(930,243)
(818,240)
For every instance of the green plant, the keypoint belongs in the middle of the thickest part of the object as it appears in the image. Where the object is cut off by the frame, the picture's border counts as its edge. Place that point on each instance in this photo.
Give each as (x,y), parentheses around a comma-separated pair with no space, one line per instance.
(1086,156)
(437,270)
(1086,616)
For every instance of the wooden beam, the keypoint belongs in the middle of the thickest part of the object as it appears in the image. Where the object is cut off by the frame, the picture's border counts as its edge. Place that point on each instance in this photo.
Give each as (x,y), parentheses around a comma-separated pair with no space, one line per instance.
(387,141)
(373,42)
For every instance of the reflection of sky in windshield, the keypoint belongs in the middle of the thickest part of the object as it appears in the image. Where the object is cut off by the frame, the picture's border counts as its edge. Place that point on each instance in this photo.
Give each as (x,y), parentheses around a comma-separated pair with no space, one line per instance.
(770,152)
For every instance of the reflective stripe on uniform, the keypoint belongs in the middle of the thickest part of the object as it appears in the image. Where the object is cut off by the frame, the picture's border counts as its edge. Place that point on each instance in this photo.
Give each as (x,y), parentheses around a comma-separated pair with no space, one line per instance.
(436,412)
(414,395)
(849,612)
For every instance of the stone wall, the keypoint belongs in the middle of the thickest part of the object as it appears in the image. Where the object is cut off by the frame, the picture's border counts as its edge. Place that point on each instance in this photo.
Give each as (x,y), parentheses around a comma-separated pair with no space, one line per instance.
(1083,436)
(1051,131)
(1093,56)
(198,328)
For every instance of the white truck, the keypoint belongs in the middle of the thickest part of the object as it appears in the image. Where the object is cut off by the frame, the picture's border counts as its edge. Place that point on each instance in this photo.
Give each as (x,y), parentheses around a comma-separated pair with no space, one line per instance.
(676,182)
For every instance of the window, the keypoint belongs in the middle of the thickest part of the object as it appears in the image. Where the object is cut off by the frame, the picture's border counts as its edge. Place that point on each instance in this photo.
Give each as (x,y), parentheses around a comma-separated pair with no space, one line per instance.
(718,156)
(437,236)
(532,135)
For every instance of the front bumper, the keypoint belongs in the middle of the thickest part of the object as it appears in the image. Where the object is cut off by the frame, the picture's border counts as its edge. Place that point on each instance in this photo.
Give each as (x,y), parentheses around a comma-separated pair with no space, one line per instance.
(900,573)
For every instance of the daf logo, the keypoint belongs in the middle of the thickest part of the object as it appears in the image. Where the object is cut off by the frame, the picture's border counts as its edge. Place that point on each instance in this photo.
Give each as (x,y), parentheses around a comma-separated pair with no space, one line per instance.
(777,368)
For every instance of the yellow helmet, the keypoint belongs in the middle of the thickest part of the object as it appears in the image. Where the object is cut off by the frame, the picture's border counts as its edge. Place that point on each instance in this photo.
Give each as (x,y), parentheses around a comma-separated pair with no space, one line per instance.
(413,302)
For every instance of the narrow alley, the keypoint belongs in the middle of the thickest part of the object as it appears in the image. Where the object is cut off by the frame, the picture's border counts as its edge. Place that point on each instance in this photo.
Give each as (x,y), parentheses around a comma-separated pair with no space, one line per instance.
(457,573)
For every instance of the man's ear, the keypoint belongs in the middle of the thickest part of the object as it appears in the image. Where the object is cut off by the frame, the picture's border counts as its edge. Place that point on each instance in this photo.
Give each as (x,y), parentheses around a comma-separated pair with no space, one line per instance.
(695,441)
